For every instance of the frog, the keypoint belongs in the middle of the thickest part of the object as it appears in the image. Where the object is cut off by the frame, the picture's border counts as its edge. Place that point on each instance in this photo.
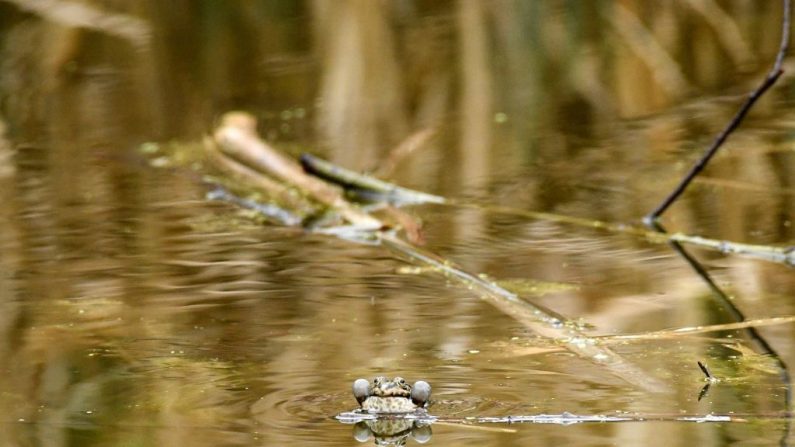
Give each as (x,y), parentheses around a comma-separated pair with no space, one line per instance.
(398,407)
(384,395)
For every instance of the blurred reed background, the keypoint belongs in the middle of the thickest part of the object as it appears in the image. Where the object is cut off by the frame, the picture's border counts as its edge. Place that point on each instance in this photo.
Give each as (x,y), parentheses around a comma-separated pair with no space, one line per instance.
(507,82)
(370,72)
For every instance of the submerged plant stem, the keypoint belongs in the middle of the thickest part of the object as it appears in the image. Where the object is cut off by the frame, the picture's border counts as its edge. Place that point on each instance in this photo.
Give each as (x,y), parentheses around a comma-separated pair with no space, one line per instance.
(690,330)
(396,194)
(543,321)
(781,255)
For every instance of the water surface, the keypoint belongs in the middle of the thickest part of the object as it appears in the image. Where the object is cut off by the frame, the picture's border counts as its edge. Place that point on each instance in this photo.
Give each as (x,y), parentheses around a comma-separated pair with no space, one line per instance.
(135,311)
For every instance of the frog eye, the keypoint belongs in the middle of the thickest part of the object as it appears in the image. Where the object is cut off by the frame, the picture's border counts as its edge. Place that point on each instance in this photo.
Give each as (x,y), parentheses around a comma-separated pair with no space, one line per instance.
(400,380)
(421,393)
(361,390)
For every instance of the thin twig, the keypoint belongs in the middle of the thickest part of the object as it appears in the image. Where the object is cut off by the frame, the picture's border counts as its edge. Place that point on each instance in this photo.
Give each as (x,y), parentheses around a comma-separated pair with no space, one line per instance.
(383,191)
(408,146)
(543,321)
(773,75)
(692,330)
(704,391)
(271,212)
(272,189)
(370,187)
(705,370)
(728,305)
(237,137)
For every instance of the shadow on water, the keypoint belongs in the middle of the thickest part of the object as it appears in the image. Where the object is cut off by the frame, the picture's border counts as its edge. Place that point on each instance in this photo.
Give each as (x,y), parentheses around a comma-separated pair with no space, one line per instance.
(726,304)
(134,311)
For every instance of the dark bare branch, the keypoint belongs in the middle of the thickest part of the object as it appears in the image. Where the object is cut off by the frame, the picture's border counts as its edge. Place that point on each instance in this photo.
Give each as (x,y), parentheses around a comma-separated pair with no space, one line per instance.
(771,78)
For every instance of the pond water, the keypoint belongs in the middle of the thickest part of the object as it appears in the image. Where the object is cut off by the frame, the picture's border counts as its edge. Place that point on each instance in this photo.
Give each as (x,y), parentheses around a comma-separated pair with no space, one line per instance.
(133,311)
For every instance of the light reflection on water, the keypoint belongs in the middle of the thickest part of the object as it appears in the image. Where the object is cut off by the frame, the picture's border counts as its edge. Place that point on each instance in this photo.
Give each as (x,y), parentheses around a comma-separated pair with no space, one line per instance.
(134,311)
(199,326)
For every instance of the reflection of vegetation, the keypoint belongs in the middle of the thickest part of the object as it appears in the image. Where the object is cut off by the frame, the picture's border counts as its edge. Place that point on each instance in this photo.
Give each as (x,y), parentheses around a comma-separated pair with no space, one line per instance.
(79,15)
(236,138)
(532,287)
(544,95)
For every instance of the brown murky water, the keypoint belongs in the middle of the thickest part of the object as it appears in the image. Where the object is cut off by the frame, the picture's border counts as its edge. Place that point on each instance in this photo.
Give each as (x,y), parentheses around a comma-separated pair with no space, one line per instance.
(135,312)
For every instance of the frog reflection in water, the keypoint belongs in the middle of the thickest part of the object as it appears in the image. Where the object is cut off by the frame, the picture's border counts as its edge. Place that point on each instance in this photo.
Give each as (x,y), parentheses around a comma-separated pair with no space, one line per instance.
(394,397)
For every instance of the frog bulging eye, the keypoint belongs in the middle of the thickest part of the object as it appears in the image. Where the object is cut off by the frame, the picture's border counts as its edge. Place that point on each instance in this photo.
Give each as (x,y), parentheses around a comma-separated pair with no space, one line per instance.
(361,390)
(421,393)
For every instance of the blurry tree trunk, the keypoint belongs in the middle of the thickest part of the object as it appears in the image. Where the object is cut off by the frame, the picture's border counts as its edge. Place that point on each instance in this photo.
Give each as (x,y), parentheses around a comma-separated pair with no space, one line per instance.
(363,108)
(475,104)
(476,101)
